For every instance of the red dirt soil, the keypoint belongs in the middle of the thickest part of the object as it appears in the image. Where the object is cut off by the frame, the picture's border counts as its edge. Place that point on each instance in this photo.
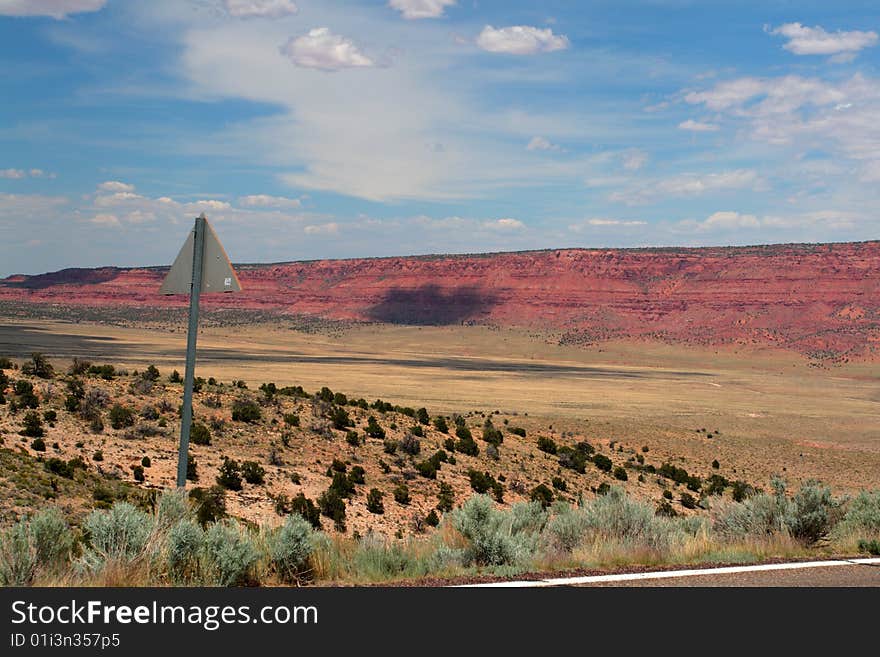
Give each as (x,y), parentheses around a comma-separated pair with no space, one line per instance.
(822,300)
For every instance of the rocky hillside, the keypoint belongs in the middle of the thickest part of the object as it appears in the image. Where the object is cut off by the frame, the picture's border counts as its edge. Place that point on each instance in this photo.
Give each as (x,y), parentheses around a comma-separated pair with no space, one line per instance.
(822,300)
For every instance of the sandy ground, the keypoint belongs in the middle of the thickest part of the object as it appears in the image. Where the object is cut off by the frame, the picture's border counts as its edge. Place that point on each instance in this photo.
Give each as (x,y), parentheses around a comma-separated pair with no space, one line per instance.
(772,411)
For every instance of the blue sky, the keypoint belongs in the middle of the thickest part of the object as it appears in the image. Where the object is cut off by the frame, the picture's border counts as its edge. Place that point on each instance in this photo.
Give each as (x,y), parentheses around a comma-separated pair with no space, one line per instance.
(351,128)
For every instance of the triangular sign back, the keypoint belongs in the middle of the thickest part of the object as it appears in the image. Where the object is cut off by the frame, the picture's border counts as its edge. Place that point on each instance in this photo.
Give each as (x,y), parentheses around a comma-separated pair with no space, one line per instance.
(217,272)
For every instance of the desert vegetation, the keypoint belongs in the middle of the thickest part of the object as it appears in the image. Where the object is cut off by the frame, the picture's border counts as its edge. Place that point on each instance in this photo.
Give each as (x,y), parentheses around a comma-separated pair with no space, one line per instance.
(291,487)
(189,540)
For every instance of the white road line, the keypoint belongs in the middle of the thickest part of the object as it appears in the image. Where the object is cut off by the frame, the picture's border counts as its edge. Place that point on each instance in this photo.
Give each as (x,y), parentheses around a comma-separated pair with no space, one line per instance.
(665,574)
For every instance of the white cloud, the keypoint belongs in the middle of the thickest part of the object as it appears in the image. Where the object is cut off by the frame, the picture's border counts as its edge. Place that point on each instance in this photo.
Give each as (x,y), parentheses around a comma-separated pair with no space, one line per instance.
(115,186)
(541,144)
(260,8)
(206,205)
(603,223)
(615,222)
(18,206)
(414,9)
(106,220)
(18,174)
(57,9)
(265,201)
(837,117)
(803,40)
(698,126)
(634,159)
(331,228)
(321,49)
(520,40)
(504,224)
(729,221)
(116,198)
(688,185)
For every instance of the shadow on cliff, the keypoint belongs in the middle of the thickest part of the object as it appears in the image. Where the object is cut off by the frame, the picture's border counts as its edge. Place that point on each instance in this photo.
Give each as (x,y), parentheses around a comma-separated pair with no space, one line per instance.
(431,305)
(75,276)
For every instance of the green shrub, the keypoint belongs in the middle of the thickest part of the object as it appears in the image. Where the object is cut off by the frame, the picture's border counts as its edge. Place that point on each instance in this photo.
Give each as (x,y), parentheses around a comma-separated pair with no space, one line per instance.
(466,443)
(492,435)
(332,505)
(602,462)
(174,377)
(191,468)
(59,467)
(98,456)
(246,410)
(481,482)
(495,537)
(210,504)
(18,559)
(32,426)
(742,491)
(566,529)
(440,424)
(871,547)
(253,472)
(290,548)
(543,495)
(422,416)
(340,418)
(615,516)
(445,497)
(199,434)
(401,494)
(620,473)
(427,468)
(357,475)
(50,416)
(559,484)
(38,366)
(814,512)
(231,554)
(291,419)
(38,445)
(121,416)
(374,501)
(432,519)
(688,501)
(373,428)
(119,534)
(715,464)
(664,509)
(146,462)
(342,485)
(184,542)
(229,475)
(138,473)
(106,372)
(863,513)
(390,446)
(409,444)
(518,431)
(352,438)
(51,537)
(304,506)
(572,459)
(171,507)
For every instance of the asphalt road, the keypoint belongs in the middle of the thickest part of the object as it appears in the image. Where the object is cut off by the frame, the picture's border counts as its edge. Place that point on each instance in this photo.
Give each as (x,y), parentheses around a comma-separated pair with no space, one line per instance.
(861,572)
(855,575)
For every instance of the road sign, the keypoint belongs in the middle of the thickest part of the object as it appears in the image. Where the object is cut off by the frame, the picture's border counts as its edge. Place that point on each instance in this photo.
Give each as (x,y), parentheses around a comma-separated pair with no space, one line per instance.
(201,266)
(217,274)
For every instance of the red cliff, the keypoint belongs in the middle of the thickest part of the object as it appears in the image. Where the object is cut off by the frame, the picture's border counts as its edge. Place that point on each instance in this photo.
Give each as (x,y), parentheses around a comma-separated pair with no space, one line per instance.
(818,299)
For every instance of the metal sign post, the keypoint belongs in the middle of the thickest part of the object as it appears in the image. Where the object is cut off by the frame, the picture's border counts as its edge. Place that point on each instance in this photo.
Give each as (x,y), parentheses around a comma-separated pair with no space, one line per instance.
(201,266)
